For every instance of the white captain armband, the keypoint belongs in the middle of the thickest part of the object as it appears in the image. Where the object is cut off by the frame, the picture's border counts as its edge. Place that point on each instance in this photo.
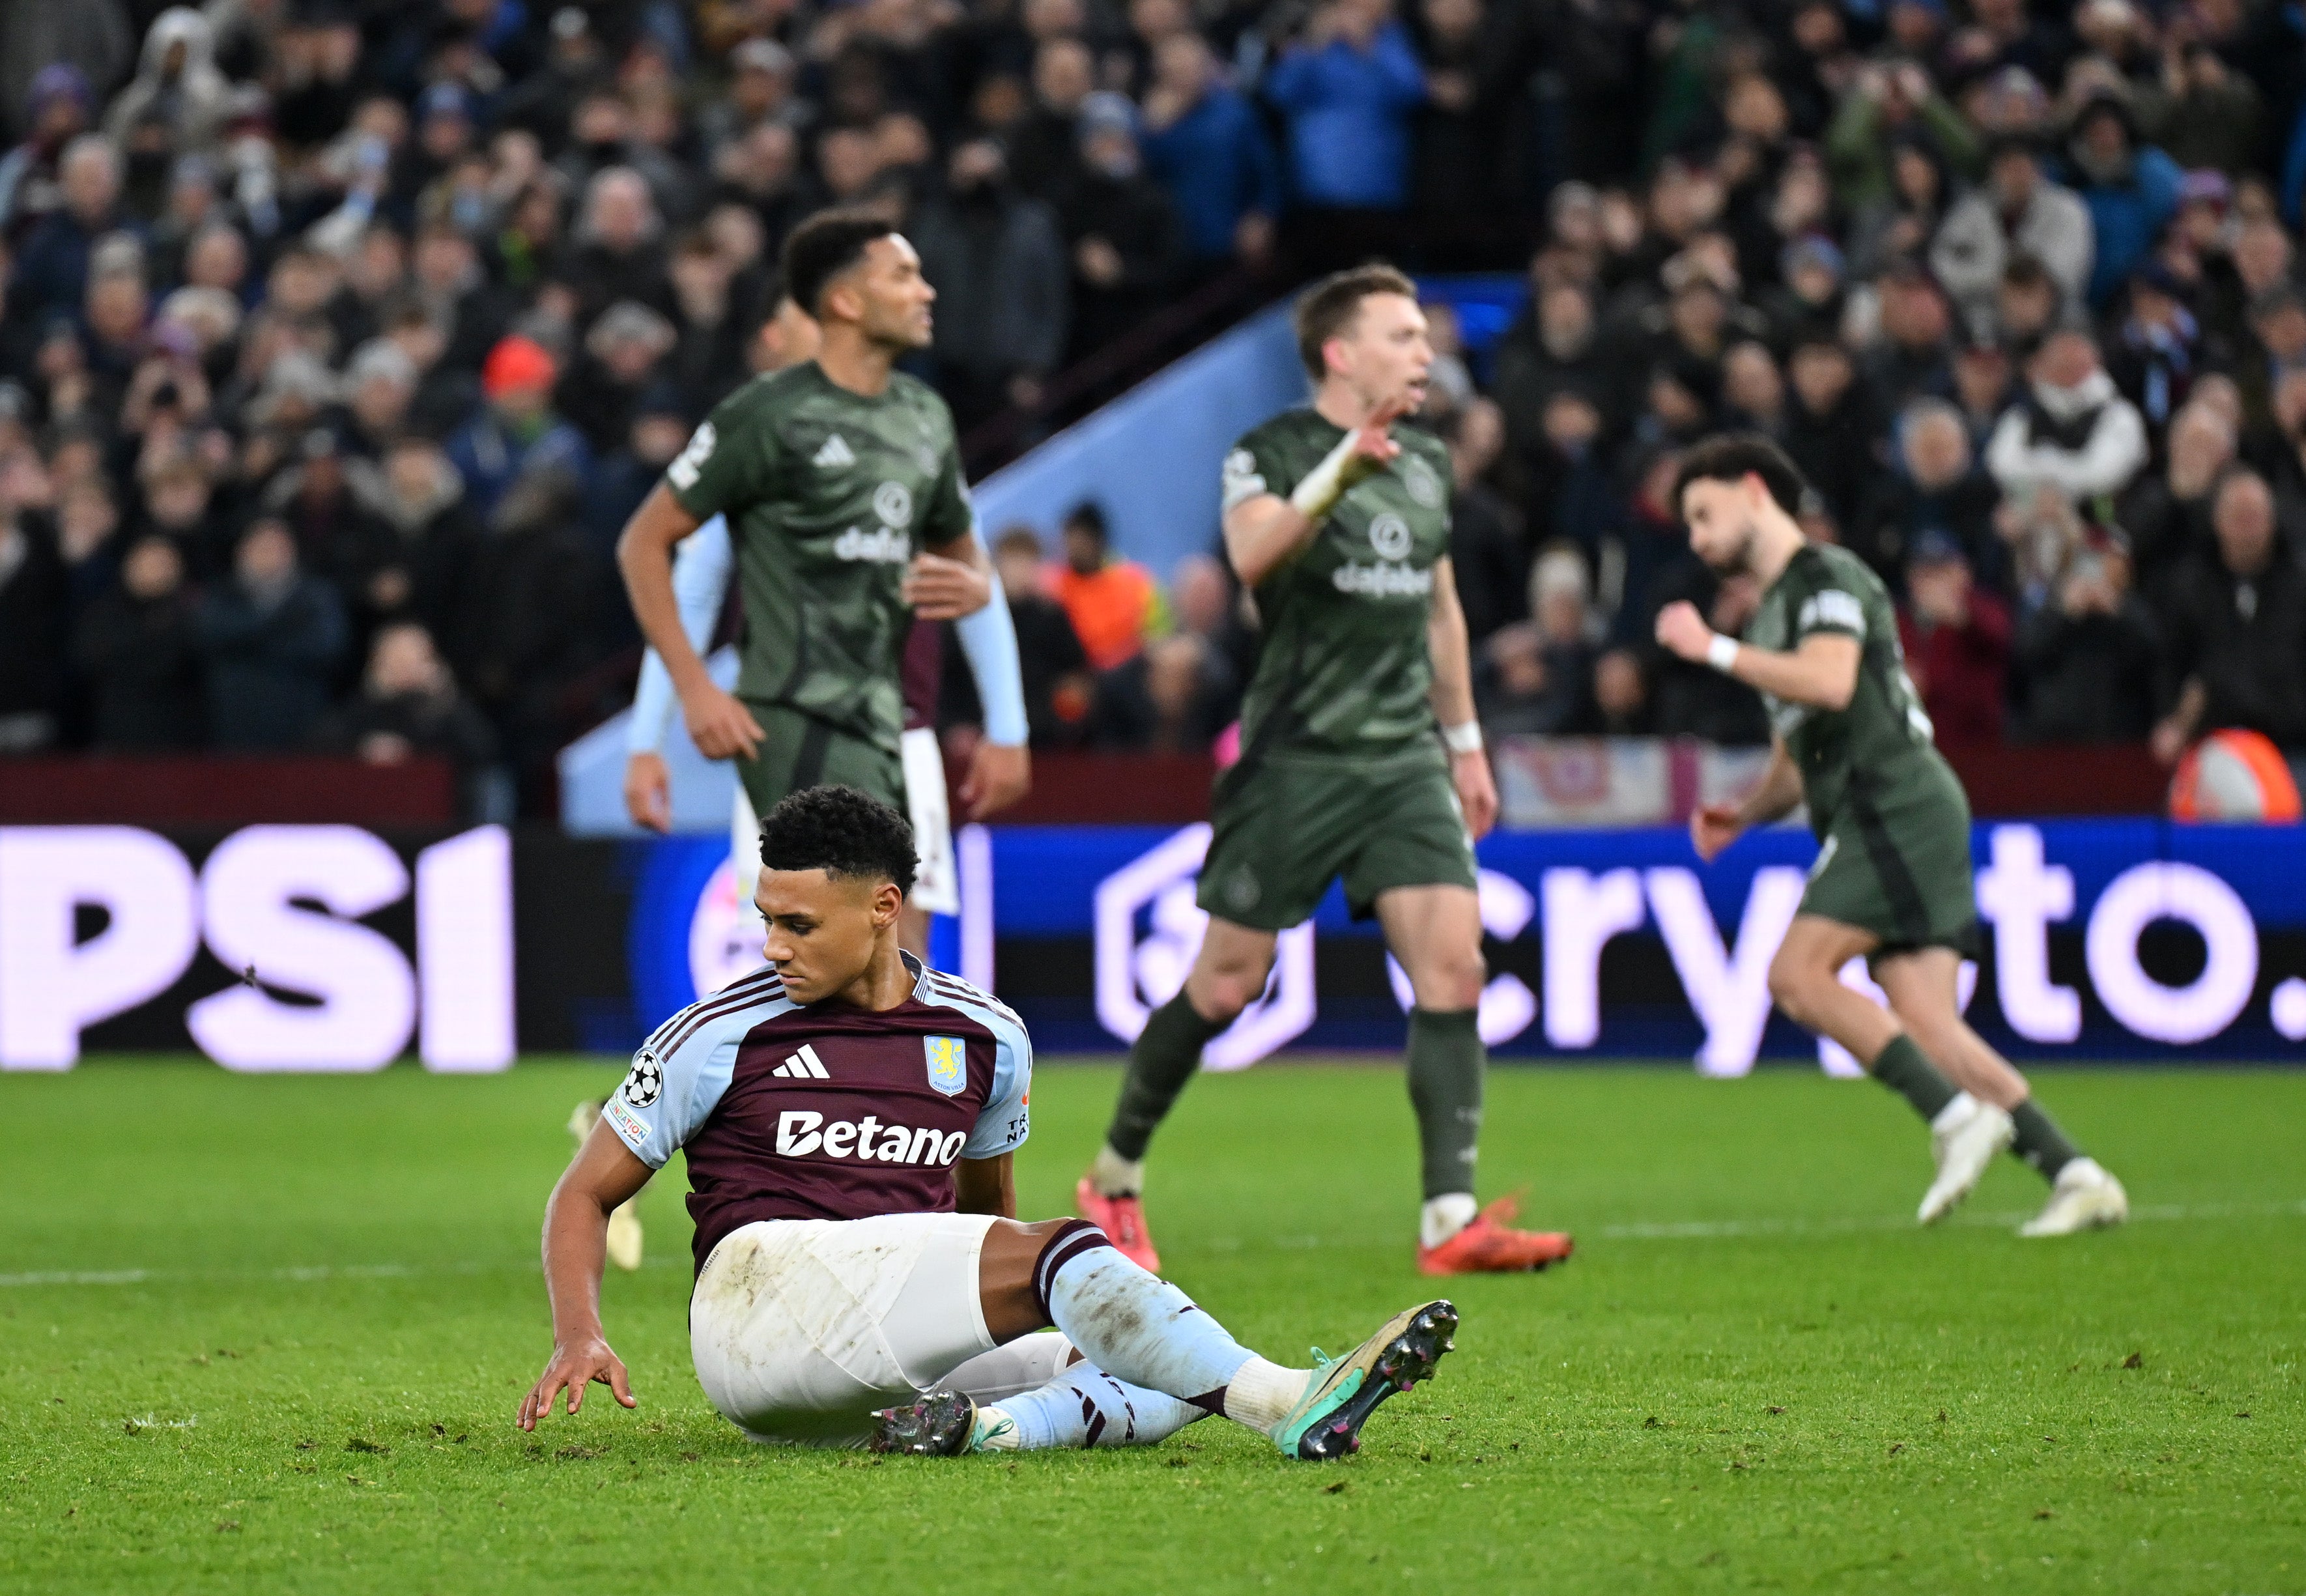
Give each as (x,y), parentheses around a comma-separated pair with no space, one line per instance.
(1326,483)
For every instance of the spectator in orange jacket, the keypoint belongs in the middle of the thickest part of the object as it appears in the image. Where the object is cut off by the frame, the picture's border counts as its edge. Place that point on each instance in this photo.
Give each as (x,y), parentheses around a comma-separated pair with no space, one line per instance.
(1112,603)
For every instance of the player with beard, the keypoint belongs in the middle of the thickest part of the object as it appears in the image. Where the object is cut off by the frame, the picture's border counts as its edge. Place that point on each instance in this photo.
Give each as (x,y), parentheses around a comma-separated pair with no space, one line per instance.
(849,1120)
(1893,880)
(842,490)
(701,569)
(1360,759)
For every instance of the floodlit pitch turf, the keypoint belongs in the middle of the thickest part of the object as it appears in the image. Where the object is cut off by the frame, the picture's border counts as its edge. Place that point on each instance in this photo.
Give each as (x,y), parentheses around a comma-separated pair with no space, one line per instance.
(268,1334)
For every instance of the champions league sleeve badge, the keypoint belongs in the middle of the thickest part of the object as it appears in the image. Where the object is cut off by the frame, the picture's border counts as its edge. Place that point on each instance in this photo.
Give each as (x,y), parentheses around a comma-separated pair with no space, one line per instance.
(646,1082)
(948,1058)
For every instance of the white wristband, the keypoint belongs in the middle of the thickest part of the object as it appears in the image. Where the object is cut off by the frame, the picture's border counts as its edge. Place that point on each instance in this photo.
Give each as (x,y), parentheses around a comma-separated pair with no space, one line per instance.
(1722,653)
(1466,738)
(1324,484)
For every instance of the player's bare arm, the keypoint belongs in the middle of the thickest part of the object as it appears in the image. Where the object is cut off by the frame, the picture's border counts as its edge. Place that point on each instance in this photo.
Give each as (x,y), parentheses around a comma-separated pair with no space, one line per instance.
(987,1186)
(1453,704)
(721,726)
(1822,673)
(1264,534)
(1714,827)
(604,1174)
(948,583)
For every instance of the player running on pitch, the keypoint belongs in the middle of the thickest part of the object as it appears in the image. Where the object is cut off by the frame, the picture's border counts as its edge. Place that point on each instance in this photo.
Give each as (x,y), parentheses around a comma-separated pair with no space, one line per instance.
(849,1119)
(1341,526)
(1892,877)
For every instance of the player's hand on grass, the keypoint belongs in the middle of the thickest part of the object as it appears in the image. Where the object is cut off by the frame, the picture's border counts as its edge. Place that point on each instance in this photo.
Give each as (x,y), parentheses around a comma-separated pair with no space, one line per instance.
(1682,630)
(574,1367)
(998,777)
(1477,792)
(648,793)
(1714,827)
(942,589)
(719,725)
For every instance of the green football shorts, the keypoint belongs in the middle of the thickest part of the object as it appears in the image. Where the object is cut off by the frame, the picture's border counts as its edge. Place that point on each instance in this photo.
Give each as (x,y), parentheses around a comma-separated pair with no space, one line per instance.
(802,751)
(1287,827)
(1895,861)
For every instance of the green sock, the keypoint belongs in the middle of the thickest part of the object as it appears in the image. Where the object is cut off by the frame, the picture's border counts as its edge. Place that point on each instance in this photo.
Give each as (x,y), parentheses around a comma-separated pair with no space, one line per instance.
(1166,1054)
(1905,1069)
(2039,1141)
(1446,1060)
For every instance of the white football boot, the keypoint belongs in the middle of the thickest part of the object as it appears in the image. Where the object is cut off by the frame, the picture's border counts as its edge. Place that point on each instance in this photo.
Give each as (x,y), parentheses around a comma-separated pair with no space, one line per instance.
(2083,1198)
(625,1239)
(624,1235)
(1966,1137)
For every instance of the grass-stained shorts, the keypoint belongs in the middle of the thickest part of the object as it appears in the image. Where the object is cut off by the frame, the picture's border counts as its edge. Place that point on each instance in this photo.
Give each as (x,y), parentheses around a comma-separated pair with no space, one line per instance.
(1895,861)
(1289,823)
(802,751)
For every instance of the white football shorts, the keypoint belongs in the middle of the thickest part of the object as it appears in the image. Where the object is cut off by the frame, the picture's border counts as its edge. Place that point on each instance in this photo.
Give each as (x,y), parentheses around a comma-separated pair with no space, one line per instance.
(936,885)
(801,1328)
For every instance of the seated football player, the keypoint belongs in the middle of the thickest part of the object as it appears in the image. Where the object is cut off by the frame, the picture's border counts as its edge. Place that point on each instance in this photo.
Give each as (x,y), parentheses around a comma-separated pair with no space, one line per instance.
(849,1119)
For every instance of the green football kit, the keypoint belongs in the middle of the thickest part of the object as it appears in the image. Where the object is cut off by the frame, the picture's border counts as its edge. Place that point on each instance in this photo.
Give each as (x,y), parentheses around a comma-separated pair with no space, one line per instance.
(1342,772)
(827,493)
(1892,820)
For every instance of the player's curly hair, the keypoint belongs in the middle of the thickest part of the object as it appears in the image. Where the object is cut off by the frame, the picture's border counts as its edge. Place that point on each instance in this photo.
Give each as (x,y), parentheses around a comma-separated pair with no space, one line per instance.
(841,831)
(1733,456)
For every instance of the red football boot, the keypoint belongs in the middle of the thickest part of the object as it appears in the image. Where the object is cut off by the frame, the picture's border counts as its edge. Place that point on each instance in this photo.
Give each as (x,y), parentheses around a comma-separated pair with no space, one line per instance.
(1488,1246)
(1123,1221)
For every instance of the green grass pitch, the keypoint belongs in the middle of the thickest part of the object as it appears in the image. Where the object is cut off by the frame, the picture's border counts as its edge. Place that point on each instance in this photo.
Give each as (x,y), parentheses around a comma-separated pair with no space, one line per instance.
(267,1334)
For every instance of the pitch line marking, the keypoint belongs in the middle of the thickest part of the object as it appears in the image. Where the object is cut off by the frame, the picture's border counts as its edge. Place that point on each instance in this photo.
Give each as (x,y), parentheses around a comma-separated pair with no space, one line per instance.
(1688,1230)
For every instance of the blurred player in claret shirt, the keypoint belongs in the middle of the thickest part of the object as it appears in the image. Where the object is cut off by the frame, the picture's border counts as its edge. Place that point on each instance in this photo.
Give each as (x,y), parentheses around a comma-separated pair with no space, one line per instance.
(1360,758)
(848,1118)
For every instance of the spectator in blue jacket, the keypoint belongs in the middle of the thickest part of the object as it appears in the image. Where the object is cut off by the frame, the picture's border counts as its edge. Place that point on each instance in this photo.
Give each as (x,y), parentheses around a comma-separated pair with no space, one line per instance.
(1203,142)
(2131,190)
(516,427)
(1348,88)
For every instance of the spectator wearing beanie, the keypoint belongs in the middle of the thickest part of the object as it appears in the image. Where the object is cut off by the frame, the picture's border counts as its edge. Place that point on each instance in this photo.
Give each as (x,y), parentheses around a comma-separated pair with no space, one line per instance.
(2131,190)
(515,429)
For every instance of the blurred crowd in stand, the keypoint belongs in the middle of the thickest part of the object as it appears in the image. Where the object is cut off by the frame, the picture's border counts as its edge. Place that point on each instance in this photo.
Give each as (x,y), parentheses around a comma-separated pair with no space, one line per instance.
(339,336)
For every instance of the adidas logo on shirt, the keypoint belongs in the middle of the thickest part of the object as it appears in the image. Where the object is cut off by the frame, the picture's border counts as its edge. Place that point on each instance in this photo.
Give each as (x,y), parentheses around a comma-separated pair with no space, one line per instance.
(834,453)
(804,1065)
